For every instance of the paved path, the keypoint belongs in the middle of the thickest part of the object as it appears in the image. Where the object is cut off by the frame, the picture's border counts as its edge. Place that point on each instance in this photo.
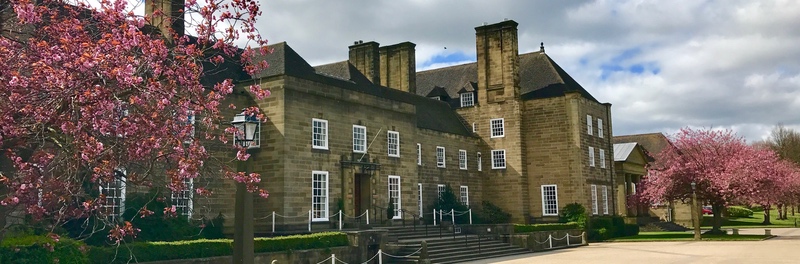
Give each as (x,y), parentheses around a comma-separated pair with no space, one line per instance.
(785,248)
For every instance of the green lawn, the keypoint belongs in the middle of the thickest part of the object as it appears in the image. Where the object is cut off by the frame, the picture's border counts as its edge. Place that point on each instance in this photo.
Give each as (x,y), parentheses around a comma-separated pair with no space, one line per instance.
(682,236)
(755,221)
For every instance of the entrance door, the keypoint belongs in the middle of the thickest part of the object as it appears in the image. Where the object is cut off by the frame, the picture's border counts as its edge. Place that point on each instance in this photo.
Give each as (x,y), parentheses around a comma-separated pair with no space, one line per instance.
(361,193)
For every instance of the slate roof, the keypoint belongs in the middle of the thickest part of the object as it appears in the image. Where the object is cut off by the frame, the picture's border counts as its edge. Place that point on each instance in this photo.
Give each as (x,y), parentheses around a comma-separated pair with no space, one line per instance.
(539,77)
(652,143)
(431,114)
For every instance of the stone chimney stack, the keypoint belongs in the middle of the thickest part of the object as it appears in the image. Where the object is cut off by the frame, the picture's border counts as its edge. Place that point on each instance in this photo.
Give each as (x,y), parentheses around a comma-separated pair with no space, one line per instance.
(364,56)
(172,17)
(498,62)
(398,67)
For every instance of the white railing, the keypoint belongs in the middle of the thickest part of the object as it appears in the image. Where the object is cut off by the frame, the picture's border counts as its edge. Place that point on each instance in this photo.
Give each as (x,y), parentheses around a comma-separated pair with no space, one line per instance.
(333,260)
(309,218)
(453,214)
(549,240)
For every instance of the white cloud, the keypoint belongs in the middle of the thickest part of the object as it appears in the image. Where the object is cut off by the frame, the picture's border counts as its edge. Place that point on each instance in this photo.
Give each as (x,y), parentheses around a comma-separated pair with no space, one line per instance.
(731,64)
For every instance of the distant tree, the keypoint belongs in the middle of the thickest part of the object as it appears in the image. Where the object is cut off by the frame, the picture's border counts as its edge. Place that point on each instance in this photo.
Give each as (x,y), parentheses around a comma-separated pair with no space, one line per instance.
(88,91)
(786,142)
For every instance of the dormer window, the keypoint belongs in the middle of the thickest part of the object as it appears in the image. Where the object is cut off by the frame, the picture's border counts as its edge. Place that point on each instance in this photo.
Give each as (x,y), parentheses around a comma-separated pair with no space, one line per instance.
(435,98)
(467,99)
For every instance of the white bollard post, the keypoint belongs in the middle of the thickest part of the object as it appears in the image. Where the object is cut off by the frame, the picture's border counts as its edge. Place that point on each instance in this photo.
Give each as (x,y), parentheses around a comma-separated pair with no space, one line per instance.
(583,238)
(367,216)
(452,217)
(440,216)
(567,239)
(380,257)
(273,221)
(470,216)
(550,239)
(333,258)
(309,220)
(340,220)
(434,217)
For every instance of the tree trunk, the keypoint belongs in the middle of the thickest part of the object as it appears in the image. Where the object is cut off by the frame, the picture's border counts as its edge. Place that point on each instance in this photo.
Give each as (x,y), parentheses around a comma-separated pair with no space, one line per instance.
(766,216)
(780,211)
(792,210)
(717,223)
(785,212)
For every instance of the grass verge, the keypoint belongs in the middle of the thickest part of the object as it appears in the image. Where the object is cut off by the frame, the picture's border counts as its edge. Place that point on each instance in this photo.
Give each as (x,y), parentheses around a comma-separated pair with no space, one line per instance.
(680,236)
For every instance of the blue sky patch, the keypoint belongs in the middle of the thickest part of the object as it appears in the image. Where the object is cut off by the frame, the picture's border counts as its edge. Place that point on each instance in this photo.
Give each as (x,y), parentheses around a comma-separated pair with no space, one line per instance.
(457,56)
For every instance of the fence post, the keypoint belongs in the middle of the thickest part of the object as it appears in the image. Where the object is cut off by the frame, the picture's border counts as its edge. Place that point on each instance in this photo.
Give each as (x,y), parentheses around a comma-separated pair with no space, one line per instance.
(568,238)
(452,217)
(333,258)
(583,238)
(380,256)
(309,220)
(440,216)
(340,220)
(367,216)
(273,221)
(470,216)
(550,239)
(434,217)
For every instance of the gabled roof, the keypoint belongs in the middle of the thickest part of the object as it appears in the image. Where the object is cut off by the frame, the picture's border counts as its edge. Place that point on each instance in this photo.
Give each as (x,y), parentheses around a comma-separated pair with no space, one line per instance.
(623,150)
(431,114)
(652,143)
(539,77)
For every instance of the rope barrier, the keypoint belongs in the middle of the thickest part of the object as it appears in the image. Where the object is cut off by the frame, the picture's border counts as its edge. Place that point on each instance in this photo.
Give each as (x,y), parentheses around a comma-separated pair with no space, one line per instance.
(286,216)
(393,256)
(370,259)
(326,260)
(559,239)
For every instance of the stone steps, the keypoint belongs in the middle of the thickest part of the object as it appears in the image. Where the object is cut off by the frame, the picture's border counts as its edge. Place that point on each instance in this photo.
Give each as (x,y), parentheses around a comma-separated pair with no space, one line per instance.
(446,249)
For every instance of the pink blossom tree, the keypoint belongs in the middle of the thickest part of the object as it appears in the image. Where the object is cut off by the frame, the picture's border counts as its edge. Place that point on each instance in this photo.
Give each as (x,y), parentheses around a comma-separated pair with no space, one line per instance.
(87,90)
(710,159)
(765,179)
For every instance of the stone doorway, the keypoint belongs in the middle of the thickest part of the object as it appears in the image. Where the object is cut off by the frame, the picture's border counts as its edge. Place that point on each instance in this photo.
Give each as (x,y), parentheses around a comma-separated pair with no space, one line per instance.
(361,193)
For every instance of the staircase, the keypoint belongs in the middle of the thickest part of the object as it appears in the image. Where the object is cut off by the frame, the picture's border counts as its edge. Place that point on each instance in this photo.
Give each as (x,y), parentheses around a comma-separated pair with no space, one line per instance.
(662,226)
(446,249)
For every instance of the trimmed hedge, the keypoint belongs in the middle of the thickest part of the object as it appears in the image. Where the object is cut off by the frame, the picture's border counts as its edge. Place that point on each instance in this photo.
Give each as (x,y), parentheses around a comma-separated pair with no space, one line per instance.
(605,227)
(203,248)
(631,230)
(545,227)
(42,249)
(739,212)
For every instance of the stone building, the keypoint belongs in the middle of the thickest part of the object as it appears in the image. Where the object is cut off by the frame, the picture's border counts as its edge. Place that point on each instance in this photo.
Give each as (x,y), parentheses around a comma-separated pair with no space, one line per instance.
(512,129)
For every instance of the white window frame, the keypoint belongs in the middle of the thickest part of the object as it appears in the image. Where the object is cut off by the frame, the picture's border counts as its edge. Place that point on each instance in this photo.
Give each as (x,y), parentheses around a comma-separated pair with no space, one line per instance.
(398,202)
(319,139)
(464,195)
(480,162)
(115,192)
(589,122)
(467,100)
(319,209)
(190,120)
(474,127)
(393,143)
(419,199)
(594,199)
(439,191)
(497,159)
(600,127)
(462,159)
(497,127)
(419,154)
(359,139)
(602,158)
(187,194)
(605,199)
(546,189)
(591,156)
(441,157)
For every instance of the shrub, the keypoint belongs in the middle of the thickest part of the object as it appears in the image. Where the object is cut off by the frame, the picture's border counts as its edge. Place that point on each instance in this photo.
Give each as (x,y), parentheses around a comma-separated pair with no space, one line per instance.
(449,201)
(544,227)
(493,214)
(203,248)
(42,249)
(574,212)
(739,212)
(631,230)
(600,234)
(613,226)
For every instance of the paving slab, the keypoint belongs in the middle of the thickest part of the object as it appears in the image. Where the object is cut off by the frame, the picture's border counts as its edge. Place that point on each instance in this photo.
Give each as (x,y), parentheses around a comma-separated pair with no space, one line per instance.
(784,248)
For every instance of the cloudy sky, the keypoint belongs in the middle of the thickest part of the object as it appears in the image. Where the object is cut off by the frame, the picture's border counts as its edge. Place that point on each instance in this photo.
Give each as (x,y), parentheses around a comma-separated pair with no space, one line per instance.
(662,64)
